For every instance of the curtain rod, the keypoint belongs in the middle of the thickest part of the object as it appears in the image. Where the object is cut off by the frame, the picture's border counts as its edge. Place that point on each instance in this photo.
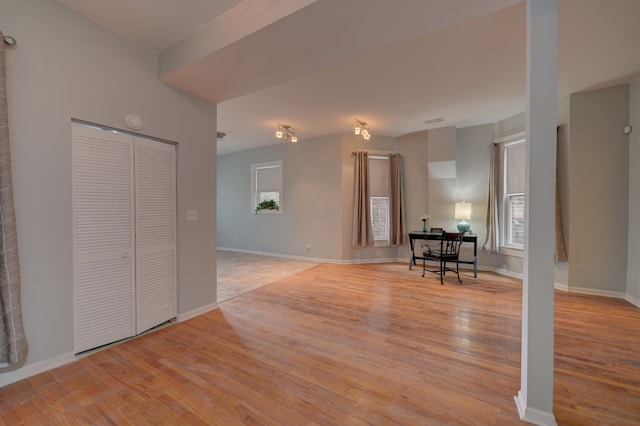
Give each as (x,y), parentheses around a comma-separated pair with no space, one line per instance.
(375,152)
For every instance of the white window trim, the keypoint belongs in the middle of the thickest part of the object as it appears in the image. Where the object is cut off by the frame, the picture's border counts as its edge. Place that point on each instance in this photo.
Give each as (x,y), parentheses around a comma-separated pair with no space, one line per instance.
(506,249)
(383,242)
(254,199)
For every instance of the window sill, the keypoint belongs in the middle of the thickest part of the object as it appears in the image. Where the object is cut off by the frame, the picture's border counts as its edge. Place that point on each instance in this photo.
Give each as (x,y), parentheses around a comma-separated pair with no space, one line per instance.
(268,211)
(511,251)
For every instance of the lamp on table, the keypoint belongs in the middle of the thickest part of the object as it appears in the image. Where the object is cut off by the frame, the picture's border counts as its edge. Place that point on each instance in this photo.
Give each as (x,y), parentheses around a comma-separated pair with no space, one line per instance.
(463,213)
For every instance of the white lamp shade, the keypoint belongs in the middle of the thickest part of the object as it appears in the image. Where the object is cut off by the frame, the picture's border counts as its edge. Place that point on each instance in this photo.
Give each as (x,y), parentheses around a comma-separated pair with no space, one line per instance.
(463,211)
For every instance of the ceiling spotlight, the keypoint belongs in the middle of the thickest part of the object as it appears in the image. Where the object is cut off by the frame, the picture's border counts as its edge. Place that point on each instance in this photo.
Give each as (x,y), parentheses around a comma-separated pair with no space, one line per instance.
(286,132)
(361,129)
(9,41)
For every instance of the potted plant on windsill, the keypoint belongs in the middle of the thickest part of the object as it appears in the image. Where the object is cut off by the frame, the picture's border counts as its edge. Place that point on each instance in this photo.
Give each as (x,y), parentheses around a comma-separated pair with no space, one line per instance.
(267,205)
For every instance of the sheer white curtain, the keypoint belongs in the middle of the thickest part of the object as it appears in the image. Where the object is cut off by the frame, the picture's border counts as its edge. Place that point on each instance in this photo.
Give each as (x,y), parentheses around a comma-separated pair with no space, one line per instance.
(13,343)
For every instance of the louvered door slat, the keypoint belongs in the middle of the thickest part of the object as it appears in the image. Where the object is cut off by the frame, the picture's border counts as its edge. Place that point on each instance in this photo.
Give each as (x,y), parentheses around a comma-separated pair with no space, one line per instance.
(104,267)
(155,233)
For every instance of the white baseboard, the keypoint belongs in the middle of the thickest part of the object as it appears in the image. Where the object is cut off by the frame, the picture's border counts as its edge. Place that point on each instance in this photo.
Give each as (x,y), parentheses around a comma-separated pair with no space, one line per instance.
(561,287)
(531,415)
(633,300)
(318,259)
(284,256)
(197,312)
(597,292)
(500,271)
(36,368)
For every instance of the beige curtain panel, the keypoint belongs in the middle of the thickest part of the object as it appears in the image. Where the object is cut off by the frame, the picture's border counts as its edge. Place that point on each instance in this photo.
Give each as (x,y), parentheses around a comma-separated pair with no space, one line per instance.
(13,343)
(560,250)
(492,225)
(397,234)
(362,230)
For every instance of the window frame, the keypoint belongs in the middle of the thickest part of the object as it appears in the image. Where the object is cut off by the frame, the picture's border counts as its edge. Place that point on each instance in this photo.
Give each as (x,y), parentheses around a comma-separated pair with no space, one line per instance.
(504,216)
(385,238)
(384,194)
(254,187)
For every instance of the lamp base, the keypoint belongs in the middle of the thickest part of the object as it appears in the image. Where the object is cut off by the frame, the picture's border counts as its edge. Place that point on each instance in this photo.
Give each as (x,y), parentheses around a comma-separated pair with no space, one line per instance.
(463,226)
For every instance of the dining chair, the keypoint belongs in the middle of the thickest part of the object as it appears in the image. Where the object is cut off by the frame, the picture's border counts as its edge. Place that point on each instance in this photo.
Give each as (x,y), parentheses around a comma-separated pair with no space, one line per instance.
(448,251)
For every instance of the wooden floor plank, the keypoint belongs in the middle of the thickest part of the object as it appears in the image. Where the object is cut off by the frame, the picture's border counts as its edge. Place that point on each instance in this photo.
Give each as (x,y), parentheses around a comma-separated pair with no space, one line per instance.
(349,345)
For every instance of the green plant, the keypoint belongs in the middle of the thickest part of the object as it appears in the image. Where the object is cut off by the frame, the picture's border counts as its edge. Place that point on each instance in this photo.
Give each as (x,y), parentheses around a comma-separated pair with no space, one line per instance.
(268,205)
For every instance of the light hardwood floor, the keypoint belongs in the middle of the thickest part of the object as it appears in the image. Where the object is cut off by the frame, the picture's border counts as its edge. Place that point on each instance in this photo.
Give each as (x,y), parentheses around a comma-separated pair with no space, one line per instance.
(239,273)
(349,345)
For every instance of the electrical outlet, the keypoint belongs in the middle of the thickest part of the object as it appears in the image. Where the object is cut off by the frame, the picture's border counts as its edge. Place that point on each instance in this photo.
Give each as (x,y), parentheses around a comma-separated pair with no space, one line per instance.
(192,215)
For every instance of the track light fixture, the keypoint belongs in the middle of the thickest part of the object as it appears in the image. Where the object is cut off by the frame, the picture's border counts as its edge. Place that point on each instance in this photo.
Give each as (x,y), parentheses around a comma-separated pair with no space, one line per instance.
(286,132)
(361,129)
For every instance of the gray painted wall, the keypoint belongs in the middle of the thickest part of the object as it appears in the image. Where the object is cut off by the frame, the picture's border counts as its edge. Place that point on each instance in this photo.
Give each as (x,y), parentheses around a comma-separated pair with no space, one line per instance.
(472,182)
(413,148)
(312,203)
(633,263)
(599,181)
(318,195)
(65,67)
(442,177)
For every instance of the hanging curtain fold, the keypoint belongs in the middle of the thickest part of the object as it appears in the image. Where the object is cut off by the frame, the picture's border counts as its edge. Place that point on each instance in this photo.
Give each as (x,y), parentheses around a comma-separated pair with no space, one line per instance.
(362,231)
(13,342)
(560,250)
(397,234)
(492,229)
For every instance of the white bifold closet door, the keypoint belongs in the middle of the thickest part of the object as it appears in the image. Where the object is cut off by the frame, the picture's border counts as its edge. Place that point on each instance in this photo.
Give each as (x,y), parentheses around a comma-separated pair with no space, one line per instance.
(124,235)
(155,233)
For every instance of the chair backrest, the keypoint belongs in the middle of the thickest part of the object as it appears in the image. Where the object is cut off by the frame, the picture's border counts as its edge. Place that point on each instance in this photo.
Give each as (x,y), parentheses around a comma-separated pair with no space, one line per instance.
(451,242)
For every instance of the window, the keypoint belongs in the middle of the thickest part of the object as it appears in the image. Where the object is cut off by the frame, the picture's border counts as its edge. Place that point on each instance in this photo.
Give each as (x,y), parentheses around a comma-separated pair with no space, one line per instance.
(266,187)
(513,193)
(379,207)
(379,192)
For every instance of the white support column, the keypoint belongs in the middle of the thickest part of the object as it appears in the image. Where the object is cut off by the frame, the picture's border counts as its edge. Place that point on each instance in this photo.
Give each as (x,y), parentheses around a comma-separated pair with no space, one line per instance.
(535,398)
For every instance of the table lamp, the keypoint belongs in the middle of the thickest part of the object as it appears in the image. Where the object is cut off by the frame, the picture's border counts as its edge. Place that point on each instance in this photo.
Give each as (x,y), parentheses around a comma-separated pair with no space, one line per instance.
(463,212)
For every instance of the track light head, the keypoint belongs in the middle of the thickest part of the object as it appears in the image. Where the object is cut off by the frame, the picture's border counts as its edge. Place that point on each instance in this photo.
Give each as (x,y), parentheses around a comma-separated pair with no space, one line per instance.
(286,132)
(361,129)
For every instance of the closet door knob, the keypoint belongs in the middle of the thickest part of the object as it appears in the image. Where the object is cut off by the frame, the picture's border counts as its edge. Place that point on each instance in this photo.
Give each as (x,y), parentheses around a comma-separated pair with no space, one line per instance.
(125,254)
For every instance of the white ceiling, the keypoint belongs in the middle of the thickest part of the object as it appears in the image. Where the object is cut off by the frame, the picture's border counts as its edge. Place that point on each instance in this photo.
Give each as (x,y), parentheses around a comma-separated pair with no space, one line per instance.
(317,65)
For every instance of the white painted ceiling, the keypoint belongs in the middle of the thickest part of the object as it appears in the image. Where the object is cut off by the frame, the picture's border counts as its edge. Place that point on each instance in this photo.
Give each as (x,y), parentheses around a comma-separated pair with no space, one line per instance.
(317,65)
